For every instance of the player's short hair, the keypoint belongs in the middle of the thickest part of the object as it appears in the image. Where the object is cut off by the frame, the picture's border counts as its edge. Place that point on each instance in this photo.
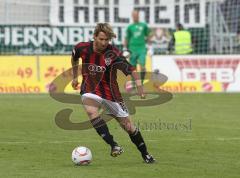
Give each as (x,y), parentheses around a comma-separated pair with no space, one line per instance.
(105,28)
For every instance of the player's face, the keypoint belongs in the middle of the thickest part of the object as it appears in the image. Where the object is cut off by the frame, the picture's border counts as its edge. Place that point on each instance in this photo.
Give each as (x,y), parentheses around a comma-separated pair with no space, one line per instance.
(135,16)
(101,41)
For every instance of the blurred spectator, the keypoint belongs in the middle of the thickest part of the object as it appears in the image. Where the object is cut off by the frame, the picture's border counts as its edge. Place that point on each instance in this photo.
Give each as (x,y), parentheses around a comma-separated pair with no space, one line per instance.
(159,41)
(181,42)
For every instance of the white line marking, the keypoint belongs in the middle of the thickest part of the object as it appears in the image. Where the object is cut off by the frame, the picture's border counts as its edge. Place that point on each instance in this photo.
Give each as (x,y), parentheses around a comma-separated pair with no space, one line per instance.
(150,140)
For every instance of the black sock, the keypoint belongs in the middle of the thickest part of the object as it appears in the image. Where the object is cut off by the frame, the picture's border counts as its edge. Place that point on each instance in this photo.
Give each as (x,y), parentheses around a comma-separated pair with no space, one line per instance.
(102,129)
(137,139)
(143,73)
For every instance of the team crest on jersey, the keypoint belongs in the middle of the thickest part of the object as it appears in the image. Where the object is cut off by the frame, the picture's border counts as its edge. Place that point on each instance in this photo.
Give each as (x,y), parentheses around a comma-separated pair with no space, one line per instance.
(108,61)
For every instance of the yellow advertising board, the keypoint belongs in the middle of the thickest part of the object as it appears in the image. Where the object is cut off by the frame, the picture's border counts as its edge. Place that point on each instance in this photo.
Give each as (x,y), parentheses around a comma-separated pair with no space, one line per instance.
(52,67)
(34,74)
(18,68)
(21,87)
(19,74)
(186,87)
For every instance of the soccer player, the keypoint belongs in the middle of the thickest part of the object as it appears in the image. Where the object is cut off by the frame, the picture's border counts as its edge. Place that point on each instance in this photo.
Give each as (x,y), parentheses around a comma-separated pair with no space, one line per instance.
(99,88)
(137,35)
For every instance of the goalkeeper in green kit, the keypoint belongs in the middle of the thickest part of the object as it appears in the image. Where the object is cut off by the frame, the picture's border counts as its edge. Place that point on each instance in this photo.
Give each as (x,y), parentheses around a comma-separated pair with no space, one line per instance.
(135,41)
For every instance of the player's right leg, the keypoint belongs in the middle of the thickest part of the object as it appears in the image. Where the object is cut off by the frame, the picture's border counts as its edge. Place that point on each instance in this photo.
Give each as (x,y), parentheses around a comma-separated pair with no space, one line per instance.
(133,59)
(130,85)
(91,104)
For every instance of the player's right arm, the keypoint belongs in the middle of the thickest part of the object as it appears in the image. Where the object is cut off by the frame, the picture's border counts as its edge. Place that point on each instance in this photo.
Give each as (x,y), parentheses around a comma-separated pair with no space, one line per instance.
(126,39)
(75,64)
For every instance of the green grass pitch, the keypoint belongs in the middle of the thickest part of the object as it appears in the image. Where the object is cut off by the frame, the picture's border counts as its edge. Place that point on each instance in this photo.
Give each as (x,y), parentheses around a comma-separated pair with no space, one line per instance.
(193,135)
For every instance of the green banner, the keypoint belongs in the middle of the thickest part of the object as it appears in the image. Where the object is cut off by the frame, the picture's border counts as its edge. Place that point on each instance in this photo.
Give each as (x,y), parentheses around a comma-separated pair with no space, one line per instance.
(28,40)
(49,40)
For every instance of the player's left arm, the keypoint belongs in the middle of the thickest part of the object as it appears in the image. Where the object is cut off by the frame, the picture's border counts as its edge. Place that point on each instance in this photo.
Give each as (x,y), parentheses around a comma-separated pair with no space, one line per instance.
(148,33)
(122,64)
(138,84)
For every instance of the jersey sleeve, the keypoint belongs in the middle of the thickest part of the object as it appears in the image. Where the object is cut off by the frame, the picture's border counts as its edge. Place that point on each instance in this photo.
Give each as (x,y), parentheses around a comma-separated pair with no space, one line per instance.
(123,65)
(76,52)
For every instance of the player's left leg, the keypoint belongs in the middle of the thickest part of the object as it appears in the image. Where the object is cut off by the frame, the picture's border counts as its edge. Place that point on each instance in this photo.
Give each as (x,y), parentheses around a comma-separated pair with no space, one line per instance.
(142,63)
(142,73)
(136,137)
(120,112)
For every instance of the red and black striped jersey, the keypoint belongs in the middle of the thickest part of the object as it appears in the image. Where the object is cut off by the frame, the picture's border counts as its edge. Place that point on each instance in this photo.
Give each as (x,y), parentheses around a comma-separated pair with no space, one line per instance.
(99,71)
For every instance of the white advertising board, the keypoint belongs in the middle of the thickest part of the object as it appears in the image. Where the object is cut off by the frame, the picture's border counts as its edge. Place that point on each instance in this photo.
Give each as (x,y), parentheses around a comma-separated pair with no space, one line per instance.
(164,13)
(196,73)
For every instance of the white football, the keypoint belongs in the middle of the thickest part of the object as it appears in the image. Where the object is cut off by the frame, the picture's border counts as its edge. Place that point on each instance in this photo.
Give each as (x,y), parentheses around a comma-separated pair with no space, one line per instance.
(81,155)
